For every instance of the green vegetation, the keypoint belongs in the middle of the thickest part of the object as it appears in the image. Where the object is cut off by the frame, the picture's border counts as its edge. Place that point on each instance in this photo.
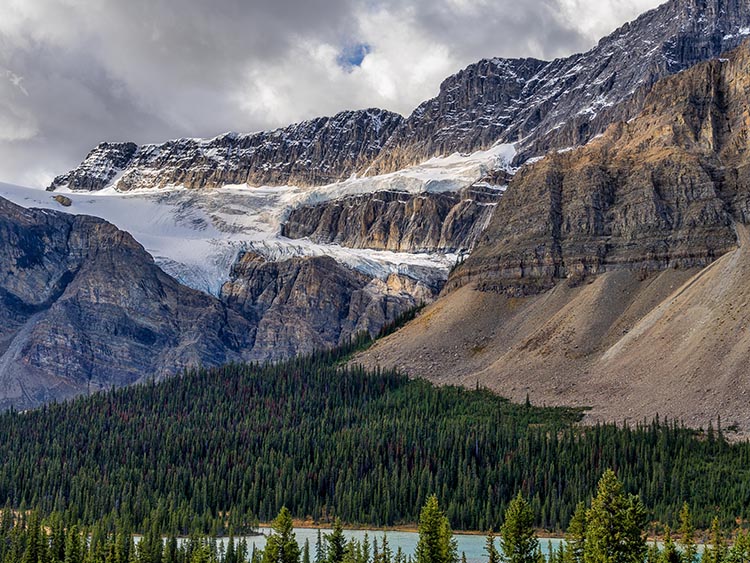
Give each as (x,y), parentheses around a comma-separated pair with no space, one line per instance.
(612,527)
(517,536)
(217,450)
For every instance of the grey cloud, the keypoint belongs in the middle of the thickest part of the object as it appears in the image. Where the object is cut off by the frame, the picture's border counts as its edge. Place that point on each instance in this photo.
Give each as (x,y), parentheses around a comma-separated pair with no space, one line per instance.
(75,73)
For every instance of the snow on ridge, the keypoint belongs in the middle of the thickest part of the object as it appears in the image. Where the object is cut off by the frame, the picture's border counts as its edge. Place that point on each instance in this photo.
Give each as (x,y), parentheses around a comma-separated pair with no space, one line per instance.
(196,235)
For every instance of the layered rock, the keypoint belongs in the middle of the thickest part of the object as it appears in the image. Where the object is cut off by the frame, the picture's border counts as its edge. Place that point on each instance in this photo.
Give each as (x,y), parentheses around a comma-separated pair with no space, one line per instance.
(662,190)
(85,308)
(309,153)
(566,102)
(399,221)
(304,304)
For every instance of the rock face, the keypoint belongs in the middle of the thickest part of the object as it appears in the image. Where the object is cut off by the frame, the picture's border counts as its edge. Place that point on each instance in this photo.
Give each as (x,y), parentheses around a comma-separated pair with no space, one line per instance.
(300,305)
(663,190)
(566,102)
(85,308)
(399,221)
(309,153)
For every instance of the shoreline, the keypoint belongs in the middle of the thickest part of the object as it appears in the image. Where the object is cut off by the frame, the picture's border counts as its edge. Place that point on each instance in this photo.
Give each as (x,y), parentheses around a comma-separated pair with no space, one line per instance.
(409,528)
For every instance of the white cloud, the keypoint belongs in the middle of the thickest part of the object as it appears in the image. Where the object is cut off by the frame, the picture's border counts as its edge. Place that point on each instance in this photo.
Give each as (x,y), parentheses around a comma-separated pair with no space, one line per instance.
(149,70)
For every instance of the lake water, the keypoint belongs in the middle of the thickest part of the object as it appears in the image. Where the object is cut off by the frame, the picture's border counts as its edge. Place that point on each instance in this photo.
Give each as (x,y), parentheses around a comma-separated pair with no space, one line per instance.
(472,545)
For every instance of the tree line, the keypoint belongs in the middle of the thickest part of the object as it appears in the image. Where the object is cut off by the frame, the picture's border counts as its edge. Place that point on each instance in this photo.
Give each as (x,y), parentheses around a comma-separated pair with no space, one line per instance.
(220,449)
(609,528)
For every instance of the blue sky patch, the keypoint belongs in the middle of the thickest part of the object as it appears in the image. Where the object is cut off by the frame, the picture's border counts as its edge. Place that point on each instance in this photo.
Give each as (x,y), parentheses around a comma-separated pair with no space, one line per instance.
(352,56)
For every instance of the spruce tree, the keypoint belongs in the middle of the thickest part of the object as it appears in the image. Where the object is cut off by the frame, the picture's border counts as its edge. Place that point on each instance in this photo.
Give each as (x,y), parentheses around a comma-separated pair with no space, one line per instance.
(576,535)
(669,553)
(335,543)
(491,549)
(687,533)
(436,543)
(281,544)
(518,540)
(614,525)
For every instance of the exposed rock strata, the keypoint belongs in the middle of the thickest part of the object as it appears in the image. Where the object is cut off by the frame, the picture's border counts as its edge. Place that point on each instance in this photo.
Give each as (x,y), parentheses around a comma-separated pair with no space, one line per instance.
(566,102)
(399,221)
(309,153)
(85,308)
(662,190)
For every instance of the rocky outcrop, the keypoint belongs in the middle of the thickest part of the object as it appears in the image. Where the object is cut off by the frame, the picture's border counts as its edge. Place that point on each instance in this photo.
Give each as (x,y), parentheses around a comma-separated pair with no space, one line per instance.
(309,153)
(566,102)
(663,190)
(99,168)
(399,221)
(300,305)
(84,308)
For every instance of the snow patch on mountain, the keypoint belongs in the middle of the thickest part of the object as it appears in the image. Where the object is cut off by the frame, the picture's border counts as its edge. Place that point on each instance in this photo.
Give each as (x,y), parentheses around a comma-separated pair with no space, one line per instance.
(196,235)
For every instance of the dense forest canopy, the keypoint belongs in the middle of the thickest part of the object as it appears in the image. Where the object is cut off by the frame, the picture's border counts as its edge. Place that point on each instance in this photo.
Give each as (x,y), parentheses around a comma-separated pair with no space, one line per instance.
(221,448)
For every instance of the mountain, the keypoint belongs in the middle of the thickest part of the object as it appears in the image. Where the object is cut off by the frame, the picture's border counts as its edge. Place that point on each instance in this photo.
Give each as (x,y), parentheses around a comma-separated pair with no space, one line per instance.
(85,308)
(316,231)
(313,152)
(618,269)
(566,102)
(301,305)
(539,105)
(399,221)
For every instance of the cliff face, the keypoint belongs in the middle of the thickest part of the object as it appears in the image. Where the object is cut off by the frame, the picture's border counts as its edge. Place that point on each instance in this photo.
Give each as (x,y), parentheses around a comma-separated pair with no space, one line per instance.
(85,308)
(662,190)
(313,152)
(566,102)
(300,305)
(398,221)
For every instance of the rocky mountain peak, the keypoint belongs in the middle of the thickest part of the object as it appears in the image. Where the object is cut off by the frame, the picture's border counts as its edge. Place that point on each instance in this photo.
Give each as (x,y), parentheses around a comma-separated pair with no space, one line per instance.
(566,102)
(317,151)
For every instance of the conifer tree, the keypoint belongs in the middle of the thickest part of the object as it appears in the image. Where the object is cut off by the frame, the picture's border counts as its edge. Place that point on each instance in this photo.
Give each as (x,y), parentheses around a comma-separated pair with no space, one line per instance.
(669,553)
(335,543)
(491,549)
(436,543)
(614,525)
(281,545)
(687,533)
(518,540)
(305,551)
(718,551)
(576,535)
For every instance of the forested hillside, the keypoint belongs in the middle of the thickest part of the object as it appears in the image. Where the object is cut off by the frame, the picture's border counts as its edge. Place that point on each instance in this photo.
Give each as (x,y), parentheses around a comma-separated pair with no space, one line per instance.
(218,448)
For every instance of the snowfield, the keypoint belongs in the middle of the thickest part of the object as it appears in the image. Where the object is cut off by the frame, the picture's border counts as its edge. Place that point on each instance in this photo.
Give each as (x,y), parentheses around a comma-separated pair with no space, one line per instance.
(196,235)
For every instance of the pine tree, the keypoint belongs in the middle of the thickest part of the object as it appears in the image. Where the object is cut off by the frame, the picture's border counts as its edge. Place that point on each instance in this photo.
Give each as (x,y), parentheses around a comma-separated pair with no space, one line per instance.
(335,543)
(436,543)
(669,553)
(576,535)
(305,551)
(73,549)
(386,555)
(687,533)
(718,551)
(518,540)
(489,547)
(614,525)
(319,549)
(281,545)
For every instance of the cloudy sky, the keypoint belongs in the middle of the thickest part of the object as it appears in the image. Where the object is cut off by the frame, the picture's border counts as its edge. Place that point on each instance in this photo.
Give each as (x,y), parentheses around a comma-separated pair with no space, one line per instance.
(76,72)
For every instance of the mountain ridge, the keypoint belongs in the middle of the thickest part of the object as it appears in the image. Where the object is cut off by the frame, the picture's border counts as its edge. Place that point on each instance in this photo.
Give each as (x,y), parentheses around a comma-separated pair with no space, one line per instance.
(540,105)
